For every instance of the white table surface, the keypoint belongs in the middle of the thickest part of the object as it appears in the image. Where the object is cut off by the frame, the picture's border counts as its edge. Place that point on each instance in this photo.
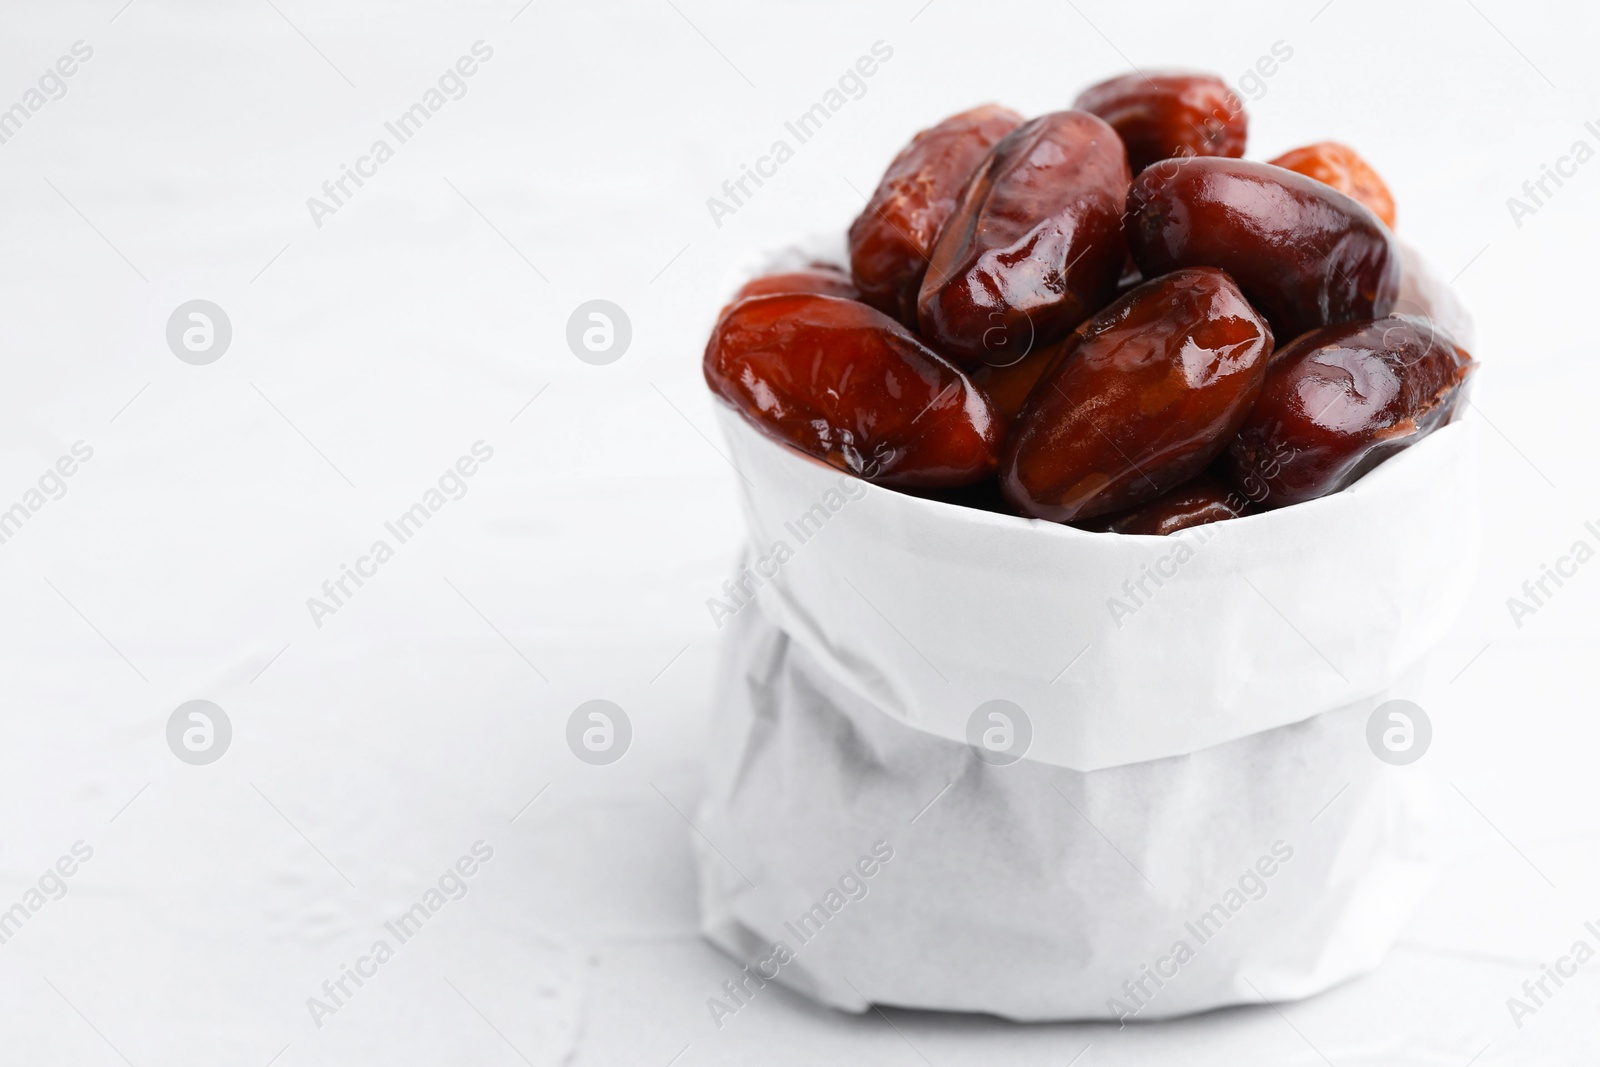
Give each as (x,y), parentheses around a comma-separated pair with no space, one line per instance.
(368,354)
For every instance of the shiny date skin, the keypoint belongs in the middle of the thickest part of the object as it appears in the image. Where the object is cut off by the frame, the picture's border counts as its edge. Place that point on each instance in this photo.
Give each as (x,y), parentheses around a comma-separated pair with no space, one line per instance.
(1303,253)
(823,279)
(1332,163)
(1010,385)
(1164,114)
(1206,499)
(892,239)
(1035,245)
(851,386)
(1340,400)
(1143,396)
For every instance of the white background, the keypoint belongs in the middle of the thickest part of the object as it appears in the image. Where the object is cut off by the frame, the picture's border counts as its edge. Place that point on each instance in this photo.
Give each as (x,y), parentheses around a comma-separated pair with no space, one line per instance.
(368,354)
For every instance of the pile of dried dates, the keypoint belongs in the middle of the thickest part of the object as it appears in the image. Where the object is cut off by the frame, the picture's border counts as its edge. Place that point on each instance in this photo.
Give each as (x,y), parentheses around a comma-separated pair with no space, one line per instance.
(1104,317)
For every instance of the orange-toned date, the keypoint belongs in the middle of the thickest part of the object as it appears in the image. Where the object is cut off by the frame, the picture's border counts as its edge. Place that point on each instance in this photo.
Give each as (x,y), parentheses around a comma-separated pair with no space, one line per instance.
(1332,163)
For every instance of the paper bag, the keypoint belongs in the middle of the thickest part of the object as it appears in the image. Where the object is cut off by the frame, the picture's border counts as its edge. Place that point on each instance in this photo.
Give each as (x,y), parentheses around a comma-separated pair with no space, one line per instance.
(969,761)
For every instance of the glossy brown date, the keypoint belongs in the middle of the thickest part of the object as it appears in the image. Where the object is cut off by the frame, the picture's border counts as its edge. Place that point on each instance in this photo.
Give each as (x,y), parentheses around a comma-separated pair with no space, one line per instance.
(1303,253)
(851,386)
(1035,245)
(1202,500)
(1160,115)
(820,278)
(1340,400)
(1009,386)
(891,240)
(1332,163)
(1141,399)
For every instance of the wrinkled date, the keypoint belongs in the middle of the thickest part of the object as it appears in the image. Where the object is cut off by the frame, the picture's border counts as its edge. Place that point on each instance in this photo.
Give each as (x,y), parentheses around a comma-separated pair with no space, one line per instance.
(1339,401)
(1332,163)
(849,385)
(1303,253)
(891,240)
(820,278)
(1203,500)
(1162,115)
(1141,399)
(1035,245)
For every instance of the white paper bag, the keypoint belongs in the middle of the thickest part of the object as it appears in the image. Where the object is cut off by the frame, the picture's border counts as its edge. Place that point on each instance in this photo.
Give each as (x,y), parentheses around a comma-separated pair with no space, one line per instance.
(1182,812)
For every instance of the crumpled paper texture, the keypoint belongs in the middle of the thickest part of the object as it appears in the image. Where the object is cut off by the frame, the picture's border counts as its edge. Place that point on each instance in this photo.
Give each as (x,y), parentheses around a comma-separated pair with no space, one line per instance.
(1036,892)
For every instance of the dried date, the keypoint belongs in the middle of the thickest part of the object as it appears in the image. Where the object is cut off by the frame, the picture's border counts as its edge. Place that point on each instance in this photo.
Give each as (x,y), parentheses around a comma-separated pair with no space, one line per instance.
(1303,253)
(851,386)
(1140,400)
(1035,245)
(1206,499)
(1340,400)
(1164,114)
(820,278)
(1010,385)
(1332,163)
(892,239)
